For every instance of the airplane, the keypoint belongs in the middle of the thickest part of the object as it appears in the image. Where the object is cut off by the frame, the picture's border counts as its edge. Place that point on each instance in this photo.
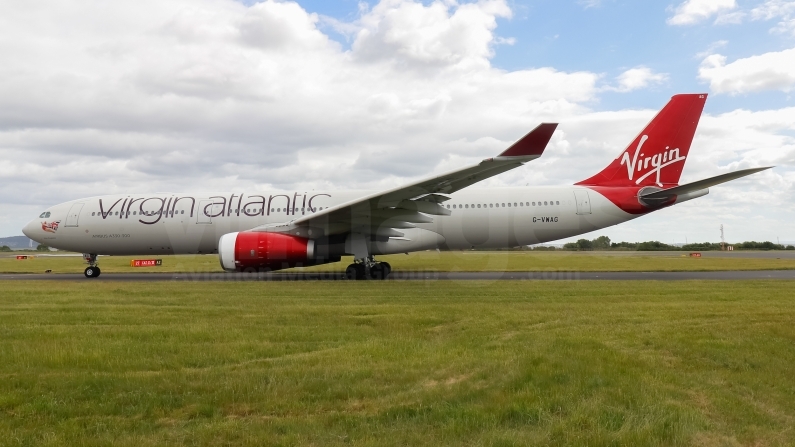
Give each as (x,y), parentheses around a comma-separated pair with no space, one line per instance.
(269,230)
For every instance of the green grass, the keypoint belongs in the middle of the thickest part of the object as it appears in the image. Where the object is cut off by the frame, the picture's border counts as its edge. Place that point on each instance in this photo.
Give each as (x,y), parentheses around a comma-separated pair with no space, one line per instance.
(434,261)
(397,363)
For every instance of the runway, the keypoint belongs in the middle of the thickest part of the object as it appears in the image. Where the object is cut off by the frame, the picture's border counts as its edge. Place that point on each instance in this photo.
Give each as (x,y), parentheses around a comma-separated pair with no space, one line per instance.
(420,276)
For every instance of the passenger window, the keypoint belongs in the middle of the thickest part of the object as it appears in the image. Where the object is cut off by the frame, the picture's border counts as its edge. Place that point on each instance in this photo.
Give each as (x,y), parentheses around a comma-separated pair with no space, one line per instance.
(545,202)
(491,206)
(91,214)
(467,205)
(521,203)
(134,213)
(509,205)
(557,202)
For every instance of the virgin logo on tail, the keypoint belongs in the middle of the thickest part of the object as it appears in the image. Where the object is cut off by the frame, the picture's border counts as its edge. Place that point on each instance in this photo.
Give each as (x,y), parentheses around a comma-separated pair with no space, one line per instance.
(657,162)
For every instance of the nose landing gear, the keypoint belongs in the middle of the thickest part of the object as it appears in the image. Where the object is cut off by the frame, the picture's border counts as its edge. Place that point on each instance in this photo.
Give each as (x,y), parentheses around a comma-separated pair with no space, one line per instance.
(92,271)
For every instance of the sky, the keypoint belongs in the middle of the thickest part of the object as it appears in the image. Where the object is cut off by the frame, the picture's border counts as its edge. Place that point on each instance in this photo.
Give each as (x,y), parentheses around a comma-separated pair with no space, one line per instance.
(141,96)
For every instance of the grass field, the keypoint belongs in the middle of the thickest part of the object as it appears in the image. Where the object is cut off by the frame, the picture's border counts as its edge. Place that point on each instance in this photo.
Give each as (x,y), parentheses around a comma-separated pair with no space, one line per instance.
(466,261)
(411,363)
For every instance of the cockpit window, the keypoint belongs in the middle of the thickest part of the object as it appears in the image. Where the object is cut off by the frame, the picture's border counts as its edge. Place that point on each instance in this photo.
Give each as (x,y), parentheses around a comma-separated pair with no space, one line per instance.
(44,215)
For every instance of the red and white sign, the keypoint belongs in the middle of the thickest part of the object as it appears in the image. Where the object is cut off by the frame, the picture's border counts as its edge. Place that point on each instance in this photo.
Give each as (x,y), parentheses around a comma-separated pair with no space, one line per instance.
(146,262)
(695,255)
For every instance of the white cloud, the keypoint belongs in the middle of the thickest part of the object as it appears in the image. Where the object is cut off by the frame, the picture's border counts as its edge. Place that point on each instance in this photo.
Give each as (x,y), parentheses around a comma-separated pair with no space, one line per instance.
(590,3)
(785,27)
(771,9)
(712,48)
(213,94)
(768,71)
(637,78)
(730,18)
(694,11)
(782,10)
(416,36)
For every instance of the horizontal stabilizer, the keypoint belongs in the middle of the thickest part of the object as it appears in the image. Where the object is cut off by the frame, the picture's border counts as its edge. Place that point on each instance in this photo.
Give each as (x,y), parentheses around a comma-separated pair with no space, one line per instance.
(699,185)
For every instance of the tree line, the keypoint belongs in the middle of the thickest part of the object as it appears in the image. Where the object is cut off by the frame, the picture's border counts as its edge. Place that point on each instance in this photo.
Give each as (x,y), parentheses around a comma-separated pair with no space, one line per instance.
(604,243)
(40,247)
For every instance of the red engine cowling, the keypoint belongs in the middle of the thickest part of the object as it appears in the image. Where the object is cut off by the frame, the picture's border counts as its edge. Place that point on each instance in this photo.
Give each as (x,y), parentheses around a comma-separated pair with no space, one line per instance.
(258,250)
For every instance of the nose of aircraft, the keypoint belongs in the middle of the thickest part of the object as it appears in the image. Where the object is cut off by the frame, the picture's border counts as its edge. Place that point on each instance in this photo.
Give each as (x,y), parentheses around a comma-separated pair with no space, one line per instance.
(29,229)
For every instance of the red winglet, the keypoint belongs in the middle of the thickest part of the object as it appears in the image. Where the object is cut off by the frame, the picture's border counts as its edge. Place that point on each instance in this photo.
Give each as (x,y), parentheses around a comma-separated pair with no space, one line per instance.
(533,143)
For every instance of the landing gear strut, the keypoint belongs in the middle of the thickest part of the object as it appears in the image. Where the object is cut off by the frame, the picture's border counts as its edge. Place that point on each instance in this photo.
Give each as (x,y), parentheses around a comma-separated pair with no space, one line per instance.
(368,269)
(92,271)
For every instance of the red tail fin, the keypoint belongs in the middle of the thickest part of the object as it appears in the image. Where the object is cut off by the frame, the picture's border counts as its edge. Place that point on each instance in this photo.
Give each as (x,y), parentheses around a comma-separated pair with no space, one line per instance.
(656,156)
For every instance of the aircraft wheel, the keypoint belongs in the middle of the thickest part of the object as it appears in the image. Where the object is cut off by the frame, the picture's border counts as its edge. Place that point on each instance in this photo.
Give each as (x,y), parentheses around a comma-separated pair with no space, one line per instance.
(387,268)
(378,271)
(355,272)
(91,272)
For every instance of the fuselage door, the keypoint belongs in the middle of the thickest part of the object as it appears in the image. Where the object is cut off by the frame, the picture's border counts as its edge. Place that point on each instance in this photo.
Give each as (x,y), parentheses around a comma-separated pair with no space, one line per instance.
(74,215)
(583,201)
(204,215)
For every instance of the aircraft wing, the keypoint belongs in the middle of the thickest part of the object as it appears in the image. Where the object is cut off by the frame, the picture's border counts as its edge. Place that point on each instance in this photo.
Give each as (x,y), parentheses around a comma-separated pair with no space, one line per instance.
(385,212)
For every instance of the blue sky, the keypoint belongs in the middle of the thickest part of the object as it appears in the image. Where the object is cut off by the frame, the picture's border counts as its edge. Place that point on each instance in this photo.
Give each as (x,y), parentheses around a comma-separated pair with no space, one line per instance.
(612,36)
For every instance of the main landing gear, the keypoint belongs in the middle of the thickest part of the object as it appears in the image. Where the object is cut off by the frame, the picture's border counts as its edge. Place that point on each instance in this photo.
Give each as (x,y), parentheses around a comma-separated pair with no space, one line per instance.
(92,271)
(368,269)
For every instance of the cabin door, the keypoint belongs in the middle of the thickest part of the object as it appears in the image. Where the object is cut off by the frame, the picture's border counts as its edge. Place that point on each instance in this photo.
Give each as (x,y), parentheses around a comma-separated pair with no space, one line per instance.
(583,201)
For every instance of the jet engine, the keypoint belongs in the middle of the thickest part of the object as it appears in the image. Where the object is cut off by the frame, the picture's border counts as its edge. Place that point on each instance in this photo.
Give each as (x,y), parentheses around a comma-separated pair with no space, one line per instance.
(253,251)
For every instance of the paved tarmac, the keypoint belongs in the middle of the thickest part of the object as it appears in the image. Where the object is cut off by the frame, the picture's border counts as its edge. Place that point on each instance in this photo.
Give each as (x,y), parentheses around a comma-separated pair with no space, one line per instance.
(419,276)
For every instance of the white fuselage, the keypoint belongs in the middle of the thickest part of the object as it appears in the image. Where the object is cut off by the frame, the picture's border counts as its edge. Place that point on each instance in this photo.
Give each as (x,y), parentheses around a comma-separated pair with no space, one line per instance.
(142,224)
